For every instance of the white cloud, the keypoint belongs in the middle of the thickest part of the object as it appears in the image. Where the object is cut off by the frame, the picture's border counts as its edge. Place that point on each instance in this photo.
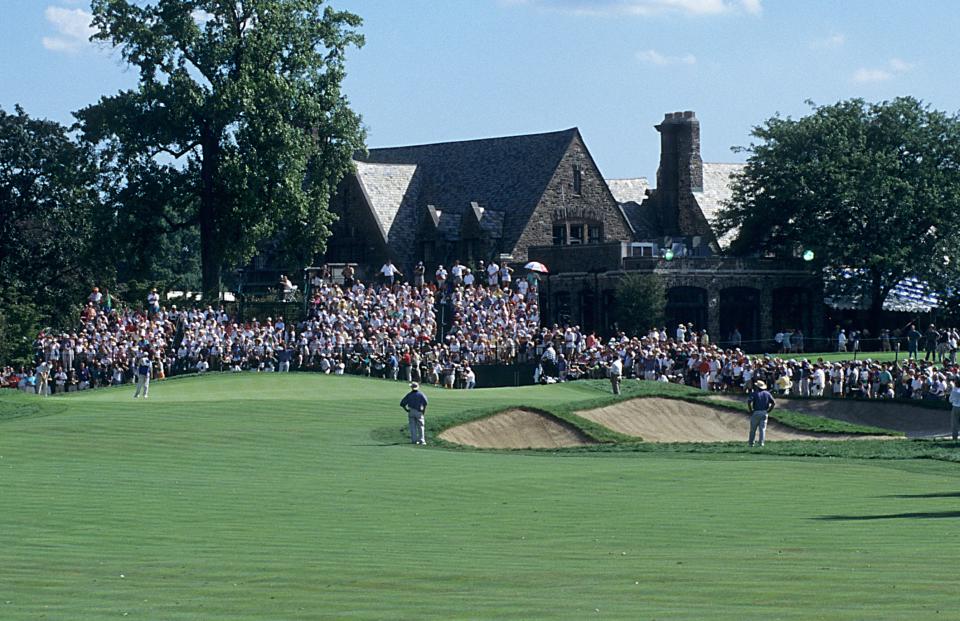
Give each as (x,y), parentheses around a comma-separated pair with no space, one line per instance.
(606,8)
(72,26)
(653,57)
(900,66)
(828,43)
(864,75)
(201,17)
(872,75)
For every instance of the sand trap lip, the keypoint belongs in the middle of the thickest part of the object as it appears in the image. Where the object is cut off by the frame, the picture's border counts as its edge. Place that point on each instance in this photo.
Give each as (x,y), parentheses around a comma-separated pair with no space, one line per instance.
(516,429)
(671,420)
(914,421)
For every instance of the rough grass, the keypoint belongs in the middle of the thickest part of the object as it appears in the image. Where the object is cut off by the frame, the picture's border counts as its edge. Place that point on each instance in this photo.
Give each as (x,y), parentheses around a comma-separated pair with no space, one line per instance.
(266,497)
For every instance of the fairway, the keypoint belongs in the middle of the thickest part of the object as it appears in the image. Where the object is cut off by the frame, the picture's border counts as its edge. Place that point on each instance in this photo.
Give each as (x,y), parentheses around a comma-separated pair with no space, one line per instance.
(274,497)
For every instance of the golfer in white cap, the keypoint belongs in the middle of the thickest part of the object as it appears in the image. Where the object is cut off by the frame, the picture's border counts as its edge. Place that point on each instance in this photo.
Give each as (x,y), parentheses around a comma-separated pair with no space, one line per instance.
(760,404)
(415,403)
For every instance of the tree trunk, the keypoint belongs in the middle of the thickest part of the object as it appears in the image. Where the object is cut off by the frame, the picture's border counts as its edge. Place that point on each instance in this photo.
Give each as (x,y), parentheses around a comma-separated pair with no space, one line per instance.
(211,254)
(876,305)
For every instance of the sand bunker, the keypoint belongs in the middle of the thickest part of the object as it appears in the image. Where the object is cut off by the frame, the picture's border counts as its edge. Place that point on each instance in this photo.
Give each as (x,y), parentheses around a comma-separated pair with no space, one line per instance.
(516,429)
(671,420)
(914,421)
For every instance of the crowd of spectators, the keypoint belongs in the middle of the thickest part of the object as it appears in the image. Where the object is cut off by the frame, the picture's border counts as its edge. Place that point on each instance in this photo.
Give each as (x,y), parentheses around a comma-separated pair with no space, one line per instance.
(690,358)
(388,330)
(391,329)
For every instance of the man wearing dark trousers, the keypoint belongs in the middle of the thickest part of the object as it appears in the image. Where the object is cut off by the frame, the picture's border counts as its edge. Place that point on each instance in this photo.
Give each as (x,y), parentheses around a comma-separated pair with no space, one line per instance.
(760,404)
(415,403)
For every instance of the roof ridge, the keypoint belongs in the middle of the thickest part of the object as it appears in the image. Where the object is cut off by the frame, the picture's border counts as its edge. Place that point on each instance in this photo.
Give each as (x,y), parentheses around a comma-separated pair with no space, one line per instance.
(570,130)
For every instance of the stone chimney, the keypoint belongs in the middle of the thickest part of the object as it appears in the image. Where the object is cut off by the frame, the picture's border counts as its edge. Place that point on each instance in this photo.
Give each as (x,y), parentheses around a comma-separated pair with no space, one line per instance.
(681,169)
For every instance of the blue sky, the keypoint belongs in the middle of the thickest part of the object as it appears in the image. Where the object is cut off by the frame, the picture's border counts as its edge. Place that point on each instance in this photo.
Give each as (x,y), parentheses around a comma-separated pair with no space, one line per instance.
(437,70)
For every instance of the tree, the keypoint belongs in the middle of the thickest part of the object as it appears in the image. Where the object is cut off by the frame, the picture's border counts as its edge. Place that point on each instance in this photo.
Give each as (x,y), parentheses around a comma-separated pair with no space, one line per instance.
(239,108)
(50,232)
(871,189)
(640,302)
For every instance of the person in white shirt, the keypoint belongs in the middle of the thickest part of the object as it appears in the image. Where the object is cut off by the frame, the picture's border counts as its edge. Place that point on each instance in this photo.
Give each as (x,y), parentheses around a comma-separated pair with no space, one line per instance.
(456,272)
(43,379)
(505,276)
(153,301)
(616,374)
(493,273)
(955,408)
(390,272)
(468,277)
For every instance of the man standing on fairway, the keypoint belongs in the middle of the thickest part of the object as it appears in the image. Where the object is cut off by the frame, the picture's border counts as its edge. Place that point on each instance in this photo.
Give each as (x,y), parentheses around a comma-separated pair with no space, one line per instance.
(955,408)
(415,403)
(760,404)
(144,366)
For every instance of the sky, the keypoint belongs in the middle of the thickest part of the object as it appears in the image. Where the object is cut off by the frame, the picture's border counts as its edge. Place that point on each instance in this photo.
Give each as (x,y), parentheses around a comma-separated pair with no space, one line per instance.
(442,70)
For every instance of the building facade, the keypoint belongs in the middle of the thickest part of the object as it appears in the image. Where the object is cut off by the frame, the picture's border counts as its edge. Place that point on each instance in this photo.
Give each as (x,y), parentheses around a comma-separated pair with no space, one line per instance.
(541,197)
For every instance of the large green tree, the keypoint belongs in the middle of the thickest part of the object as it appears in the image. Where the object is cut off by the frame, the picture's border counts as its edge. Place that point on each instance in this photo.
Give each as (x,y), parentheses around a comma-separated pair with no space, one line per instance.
(872,189)
(51,247)
(640,303)
(238,111)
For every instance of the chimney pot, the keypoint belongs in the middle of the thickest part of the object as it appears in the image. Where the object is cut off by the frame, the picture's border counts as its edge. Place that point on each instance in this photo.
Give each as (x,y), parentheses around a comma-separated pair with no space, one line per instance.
(689,114)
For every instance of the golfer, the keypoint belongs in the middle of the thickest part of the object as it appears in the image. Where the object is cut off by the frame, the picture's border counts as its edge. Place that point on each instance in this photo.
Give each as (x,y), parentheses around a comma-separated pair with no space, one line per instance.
(616,374)
(415,403)
(760,403)
(144,367)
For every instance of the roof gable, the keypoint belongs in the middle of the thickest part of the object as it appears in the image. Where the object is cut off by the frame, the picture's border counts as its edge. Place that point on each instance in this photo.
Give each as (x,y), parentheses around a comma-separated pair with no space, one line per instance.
(717,190)
(386,186)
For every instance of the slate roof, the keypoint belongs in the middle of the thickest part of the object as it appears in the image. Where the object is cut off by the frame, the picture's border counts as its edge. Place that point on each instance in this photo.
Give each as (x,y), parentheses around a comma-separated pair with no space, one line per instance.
(385,186)
(506,175)
(716,191)
(391,190)
(642,218)
(629,190)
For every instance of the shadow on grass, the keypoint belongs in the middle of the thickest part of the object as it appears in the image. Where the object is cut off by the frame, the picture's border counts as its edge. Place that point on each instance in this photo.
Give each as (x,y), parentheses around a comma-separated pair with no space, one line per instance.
(930,495)
(918,515)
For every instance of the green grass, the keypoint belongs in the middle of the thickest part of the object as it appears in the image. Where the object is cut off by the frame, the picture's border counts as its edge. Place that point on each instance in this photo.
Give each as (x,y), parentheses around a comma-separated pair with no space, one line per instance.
(285,497)
(882,356)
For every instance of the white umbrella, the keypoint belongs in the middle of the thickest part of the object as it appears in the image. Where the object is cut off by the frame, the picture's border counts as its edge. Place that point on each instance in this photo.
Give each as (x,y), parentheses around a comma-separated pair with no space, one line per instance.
(537,266)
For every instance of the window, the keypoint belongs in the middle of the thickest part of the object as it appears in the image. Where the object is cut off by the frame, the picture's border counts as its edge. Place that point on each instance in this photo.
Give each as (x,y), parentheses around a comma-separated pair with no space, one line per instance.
(576,233)
(559,235)
(643,250)
(577,178)
(596,235)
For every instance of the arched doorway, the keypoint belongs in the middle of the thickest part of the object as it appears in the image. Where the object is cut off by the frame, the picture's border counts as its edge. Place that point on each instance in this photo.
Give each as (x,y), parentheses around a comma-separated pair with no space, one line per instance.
(686,305)
(792,309)
(740,309)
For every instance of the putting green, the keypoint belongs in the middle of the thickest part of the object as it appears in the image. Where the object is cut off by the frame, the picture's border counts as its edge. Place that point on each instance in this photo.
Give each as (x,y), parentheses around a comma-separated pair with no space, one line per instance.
(276,497)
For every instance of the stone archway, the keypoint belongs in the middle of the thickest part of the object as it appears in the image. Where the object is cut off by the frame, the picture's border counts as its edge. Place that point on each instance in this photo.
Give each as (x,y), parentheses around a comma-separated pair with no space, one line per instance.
(793,309)
(739,309)
(686,305)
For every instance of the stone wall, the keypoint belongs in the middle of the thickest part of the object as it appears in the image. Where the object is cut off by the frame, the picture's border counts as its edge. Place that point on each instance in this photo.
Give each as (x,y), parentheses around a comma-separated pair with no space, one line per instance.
(561,202)
(720,279)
